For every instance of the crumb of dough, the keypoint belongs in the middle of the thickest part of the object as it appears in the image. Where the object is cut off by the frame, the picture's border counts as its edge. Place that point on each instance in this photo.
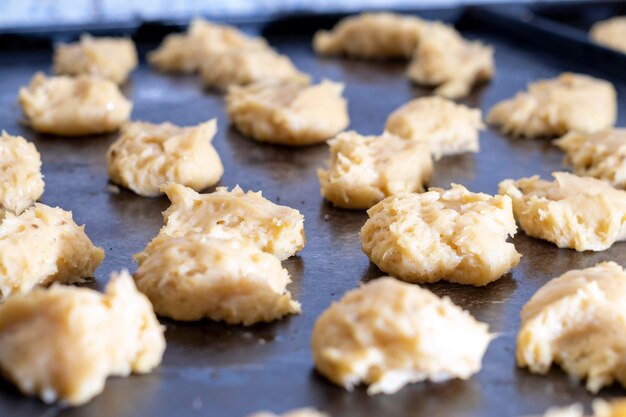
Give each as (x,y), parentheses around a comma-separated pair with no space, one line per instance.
(301,412)
(74,106)
(448,128)
(387,334)
(364,170)
(445,60)
(197,276)
(21,182)
(111,58)
(610,33)
(582,213)
(453,235)
(554,107)
(148,155)
(288,112)
(62,343)
(235,214)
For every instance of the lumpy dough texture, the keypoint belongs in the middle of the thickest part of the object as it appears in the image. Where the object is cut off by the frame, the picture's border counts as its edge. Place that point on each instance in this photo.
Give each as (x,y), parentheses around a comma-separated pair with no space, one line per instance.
(554,107)
(453,235)
(148,155)
(111,58)
(74,106)
(62,343)
(302,412)
(578,321)
(235,214)
(289,112)
(363,170)
(21,182)
(387,334)
(448,128)
(610,33)
(582,213)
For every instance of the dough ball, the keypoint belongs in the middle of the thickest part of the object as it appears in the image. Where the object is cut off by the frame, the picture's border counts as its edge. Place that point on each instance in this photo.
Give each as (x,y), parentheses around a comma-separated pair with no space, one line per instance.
(363,170)
(448,128)
(111,58)
(570,102)
(302,412)
(453,235)
(387,334)
(148,155)
(21,182)
(582,213)
(68,106)
(62,343)
(601,408)
(610,33)
(288,112)
(578,321)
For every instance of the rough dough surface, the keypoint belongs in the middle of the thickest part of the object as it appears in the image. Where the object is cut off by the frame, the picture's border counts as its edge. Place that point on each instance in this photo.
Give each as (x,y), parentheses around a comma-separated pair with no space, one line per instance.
(111,58)
(610,33)
(453,235)
(387,334)
(582,213)
(554,107)
(448,128)
(21,182)
(288,112)
(62,343)
(363,170)
(74,106)
(148,155)
(302,412)
(578,321)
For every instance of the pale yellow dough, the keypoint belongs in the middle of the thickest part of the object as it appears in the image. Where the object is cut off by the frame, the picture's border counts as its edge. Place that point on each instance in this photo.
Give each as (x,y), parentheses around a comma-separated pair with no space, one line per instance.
(387,334)
(453,235)
(554,107)
(582,213)
(363,170)
(288,112)
(111,58)
(21,182)
(74,106)
(301,412)
(448,128)
(601,408)
(148,155)
(610,33)
(62,343)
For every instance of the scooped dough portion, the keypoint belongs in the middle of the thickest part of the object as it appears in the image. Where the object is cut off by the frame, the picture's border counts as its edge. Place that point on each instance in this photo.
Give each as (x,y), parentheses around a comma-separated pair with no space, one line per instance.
(582,213)
(74,106)
(448,128)
(235,214)
(363,170)
(148,155)
(387,334)
(288,112)
(62,343)
(554,107)
(453,235)
(302,412)
(21,182)
(41,246)
(610,33)
(111,58)
(601,408)
(198,276)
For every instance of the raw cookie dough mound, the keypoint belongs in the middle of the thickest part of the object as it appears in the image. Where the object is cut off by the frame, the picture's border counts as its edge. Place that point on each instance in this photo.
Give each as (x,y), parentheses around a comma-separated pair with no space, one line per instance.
(578,321)
(41,246)
(387,334)
(197,276)
(21,182)
(582,213)
(363,170)
(371,36)
(302,412)
(62,343)
(445,60)
(148,155)
(68,106)
(453,235)
(601,408)
(288,112)
(554,107)
(235,214)
(610,33)
(448,128)
(111,58)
